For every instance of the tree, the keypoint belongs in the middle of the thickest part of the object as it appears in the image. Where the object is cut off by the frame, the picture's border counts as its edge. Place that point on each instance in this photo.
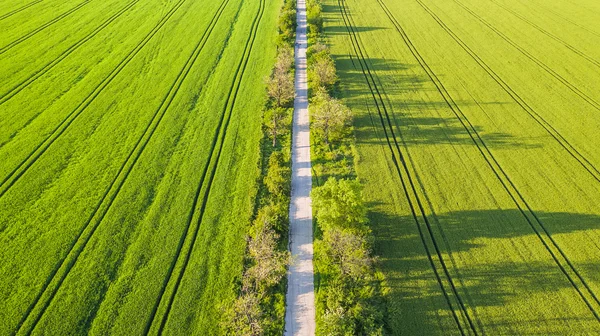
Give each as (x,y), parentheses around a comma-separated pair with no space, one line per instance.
(338,203)
(321,70)
(280,87)
(347,252)
(330,116)
(285,59)
(244,316)
(287,24)
(275,122)
(269,264)
(314,17)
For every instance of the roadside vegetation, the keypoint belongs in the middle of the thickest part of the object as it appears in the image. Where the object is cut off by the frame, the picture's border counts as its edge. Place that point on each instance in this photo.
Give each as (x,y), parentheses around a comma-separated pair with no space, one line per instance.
(348,294)
(260,306)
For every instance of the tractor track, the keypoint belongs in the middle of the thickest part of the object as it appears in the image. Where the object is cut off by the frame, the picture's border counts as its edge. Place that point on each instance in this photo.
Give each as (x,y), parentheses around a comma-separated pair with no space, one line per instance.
(196,212)
(22,8)
(542,65)
(547,33)
(518,199)
(382,109)
(40,149)
(42,27)
(108,198)
(23,84)
(568,20)
(553,132)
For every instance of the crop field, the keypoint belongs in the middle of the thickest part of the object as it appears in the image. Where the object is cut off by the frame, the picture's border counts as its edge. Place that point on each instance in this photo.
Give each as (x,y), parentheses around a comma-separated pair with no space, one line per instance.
(129,150)
(478,134)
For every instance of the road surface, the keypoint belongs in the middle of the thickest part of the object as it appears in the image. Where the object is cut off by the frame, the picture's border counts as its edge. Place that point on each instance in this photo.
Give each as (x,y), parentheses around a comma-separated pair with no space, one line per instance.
(300,312)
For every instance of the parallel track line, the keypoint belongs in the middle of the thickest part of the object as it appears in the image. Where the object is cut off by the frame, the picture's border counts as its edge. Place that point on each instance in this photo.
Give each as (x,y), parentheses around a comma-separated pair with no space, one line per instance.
(17,88)
(553,132)
(218,137)
(102,208)
(534,59)
(380,105)
(503,177)
(547,33)
(40,149)
(22,8)
(42,27)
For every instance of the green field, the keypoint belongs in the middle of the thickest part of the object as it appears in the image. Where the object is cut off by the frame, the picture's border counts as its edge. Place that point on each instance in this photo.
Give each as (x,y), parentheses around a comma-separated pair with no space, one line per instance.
(477,132)
(129,150)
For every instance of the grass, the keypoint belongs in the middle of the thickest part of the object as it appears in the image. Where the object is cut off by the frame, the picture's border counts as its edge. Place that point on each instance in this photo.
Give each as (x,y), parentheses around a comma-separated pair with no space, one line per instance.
(475,124)
(131,216)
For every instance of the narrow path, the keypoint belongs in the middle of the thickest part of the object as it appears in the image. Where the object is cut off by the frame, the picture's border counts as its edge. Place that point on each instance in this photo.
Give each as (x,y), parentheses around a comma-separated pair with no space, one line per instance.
(300,312)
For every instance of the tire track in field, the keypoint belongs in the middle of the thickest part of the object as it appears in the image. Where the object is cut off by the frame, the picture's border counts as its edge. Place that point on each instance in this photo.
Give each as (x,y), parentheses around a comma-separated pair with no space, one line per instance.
(553,132)
(22,8)
(543,234)
(404,172)
(17,88)
(218,141)
(111,193)
(42,27)
(534,59)
(545,32)
(567,19)
(40,149)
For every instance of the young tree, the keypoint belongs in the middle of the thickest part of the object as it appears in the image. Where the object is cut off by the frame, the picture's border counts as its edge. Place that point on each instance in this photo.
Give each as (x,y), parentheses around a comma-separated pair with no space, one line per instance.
(269,263)
(338,203)
(275,122)
(244,316)
(347,252)
(330,116)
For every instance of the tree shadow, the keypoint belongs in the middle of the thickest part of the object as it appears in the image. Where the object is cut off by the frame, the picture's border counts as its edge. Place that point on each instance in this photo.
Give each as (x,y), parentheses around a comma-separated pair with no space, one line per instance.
(522,291)
(417,122)
(342,30)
